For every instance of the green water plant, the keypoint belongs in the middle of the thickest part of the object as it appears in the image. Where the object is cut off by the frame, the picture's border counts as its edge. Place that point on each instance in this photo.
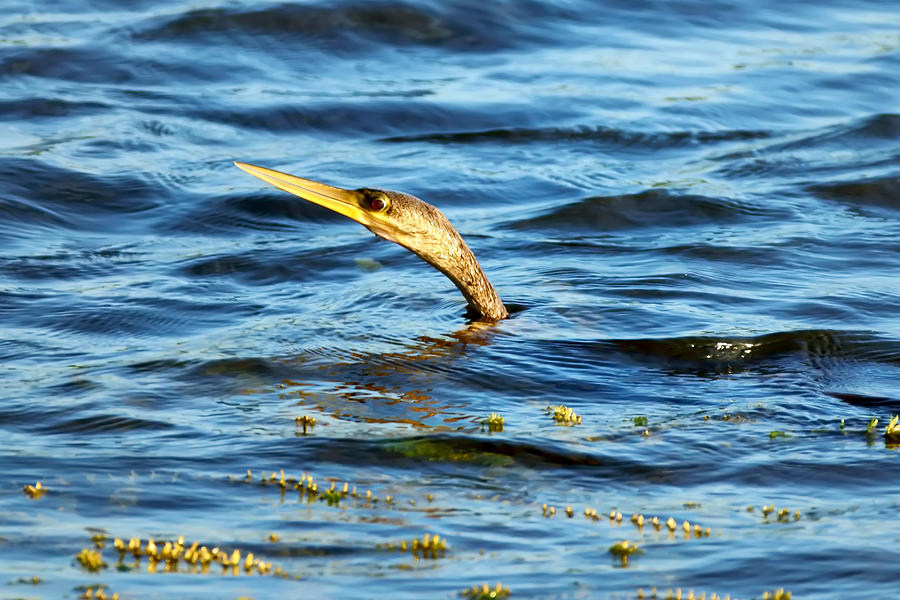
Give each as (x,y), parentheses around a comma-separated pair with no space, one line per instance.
(306,421)
(97,593)
(177,556)
(639,521)
(494,422)
(485,592)
(35,491)
(678,594)
(563,415)
(782,515)
(91,560)
(892,430)
(623,550)
(309,490)
(429,546)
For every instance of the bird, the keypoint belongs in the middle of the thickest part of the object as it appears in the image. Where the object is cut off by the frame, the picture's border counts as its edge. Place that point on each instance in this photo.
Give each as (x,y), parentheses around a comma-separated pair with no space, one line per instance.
(407,221)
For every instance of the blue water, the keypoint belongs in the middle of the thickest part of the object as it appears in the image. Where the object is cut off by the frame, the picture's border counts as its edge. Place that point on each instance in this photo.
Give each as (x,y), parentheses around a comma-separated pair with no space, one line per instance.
(692,210)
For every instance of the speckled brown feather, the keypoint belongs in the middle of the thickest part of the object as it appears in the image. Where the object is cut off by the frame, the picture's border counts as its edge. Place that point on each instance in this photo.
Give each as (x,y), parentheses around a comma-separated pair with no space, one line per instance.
(423,229)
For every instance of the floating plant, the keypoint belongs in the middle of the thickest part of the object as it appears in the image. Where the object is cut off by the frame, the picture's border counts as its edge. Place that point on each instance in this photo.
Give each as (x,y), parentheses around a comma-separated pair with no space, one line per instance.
(176,556)
(309,490)
(91,560)
(678,594)
(640,520)
(563,414)
(783,515)
(485,592)
(97,593)
(493,421)
(622,550)
(430,546)
(891,431)
(35,491)
(870,428)
(305,421)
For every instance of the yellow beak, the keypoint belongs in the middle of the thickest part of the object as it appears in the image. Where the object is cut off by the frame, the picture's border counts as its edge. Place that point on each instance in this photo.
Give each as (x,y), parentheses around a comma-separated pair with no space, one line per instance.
(345,202)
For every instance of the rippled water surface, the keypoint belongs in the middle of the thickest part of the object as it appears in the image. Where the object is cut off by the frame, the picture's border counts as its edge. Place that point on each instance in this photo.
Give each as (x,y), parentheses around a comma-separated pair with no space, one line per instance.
(692,210)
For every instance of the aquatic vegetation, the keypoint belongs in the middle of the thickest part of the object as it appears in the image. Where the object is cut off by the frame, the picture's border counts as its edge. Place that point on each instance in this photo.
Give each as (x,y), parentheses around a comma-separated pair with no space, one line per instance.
(732,418)
(783,515)
(91,560)
(892,430)
(485,592)
(35,491)
(493,421)
(870,428)
(310,491)
(430,546)
(447,450)
(640,421)
(97,593)
(564,415)
(738,418)
(623,550)
(305,421)
(777,434)
(678,594)
(176,556)
(639,520)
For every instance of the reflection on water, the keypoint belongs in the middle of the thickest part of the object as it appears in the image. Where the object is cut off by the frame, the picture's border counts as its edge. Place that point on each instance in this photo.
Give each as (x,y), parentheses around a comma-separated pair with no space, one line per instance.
(690,209)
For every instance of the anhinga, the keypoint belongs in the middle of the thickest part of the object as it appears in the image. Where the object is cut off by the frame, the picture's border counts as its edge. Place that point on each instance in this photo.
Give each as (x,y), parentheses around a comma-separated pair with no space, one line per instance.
(405,220)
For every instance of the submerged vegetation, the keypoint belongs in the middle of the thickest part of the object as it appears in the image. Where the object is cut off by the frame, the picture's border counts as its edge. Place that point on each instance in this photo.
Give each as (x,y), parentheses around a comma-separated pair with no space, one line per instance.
(177,555)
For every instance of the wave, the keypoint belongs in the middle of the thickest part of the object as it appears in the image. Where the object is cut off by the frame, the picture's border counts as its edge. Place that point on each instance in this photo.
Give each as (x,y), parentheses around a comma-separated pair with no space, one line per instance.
(601,134)
(650,208)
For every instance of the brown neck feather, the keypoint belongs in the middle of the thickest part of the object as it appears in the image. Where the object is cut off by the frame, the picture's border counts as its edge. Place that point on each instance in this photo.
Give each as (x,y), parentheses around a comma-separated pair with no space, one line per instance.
(458,263)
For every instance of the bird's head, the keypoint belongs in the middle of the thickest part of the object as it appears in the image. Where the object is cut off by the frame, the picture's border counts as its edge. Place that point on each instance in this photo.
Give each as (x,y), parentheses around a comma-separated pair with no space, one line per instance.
(405,220)
(394,216)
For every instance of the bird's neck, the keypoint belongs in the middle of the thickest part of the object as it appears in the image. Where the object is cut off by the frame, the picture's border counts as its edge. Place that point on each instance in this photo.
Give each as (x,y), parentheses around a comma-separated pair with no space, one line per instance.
(458,263)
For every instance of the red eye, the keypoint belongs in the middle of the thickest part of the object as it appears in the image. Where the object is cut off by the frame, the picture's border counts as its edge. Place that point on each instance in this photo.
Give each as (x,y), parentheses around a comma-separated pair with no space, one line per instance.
(378,203)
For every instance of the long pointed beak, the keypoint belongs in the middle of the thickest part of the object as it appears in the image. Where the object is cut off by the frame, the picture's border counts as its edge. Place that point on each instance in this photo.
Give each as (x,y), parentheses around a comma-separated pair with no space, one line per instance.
(345,202)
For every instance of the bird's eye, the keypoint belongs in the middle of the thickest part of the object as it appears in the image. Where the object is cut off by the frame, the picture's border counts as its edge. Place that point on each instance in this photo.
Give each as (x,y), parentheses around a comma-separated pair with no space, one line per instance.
(378,203)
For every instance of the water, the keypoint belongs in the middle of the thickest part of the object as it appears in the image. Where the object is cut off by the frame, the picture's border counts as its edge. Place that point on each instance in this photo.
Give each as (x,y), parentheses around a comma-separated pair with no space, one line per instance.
(691,209)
